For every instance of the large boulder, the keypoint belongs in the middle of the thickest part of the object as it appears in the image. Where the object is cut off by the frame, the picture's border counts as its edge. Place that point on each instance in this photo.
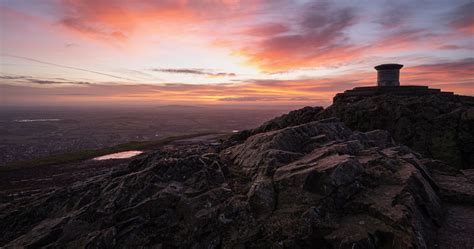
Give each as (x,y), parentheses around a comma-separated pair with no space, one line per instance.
(296,117)
(439,126)
(339,189)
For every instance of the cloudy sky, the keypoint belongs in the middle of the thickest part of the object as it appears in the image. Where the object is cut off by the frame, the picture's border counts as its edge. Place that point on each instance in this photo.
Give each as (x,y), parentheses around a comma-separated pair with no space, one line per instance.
(255,52)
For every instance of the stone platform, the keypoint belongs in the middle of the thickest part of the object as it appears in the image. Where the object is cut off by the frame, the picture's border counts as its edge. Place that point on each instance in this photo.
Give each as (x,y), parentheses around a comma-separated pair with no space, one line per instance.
(367,91)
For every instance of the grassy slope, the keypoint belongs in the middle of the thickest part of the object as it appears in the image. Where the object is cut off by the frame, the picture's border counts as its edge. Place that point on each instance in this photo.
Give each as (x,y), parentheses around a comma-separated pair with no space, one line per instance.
(88,154)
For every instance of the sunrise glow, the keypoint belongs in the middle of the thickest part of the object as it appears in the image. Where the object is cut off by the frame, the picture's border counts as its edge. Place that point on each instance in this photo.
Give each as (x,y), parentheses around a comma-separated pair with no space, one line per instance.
(284,52)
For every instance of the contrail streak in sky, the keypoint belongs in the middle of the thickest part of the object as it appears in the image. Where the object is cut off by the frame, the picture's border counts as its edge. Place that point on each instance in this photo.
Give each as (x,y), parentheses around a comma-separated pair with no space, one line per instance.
(68,67)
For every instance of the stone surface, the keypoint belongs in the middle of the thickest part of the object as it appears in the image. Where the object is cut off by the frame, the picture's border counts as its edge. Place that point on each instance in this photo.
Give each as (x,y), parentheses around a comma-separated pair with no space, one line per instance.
(458,230)
(360,93)
(261,197)
(388,74)
(296,117)
(438,125)
(315,185)
(162,201)
(352,190)
(456,187)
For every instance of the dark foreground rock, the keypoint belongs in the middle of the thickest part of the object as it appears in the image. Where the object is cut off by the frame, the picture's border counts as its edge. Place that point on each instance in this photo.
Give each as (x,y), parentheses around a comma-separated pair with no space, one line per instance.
(314,185)
(337,189)
(439,126)
(296,117)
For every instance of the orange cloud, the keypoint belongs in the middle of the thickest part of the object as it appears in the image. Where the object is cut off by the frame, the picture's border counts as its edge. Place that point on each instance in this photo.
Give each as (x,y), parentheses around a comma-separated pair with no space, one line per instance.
(120,19)
(117,19)
(319,40)
(320,36)
(449,76)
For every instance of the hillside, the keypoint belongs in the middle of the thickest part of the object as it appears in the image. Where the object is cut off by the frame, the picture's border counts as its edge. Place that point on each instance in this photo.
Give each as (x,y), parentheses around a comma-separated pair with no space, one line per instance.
(299,181)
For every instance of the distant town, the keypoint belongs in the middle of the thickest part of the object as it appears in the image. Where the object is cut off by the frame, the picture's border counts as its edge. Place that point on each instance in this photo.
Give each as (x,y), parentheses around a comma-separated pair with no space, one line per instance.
(33,133)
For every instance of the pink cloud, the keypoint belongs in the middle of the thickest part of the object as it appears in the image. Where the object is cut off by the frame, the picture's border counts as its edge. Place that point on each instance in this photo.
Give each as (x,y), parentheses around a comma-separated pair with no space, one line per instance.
(268,29)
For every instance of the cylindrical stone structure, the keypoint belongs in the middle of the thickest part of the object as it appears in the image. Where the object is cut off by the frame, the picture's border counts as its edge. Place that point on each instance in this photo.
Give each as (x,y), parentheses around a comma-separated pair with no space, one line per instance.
(388,74)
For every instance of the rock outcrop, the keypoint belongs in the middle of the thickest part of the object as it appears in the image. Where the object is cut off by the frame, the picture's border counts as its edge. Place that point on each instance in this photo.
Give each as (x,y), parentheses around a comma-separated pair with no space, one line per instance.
(437,125)
(163,200)
(314,185)
(296,117)
(338,189)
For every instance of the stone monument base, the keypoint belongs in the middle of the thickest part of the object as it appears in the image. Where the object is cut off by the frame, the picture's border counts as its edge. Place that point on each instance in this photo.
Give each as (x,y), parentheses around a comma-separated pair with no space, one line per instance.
(367,91)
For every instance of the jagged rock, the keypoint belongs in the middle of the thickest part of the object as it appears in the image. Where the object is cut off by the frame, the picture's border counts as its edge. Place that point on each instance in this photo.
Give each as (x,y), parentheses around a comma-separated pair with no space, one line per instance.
(261,197)
(165,201)
(458,229)
(262,153)
(456,187)
(369,193)
(313,185)
(439,126)
(293,118)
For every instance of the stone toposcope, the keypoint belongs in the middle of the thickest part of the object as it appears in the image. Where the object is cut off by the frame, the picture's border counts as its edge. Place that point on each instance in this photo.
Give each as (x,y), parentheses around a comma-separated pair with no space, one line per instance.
(388,74)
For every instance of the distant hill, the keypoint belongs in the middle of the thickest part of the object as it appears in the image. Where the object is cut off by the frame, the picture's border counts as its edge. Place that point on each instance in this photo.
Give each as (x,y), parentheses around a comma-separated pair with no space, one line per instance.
(182,107)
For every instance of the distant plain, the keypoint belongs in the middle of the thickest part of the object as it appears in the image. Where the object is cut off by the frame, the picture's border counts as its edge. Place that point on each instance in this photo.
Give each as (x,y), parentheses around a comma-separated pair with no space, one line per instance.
(34,133)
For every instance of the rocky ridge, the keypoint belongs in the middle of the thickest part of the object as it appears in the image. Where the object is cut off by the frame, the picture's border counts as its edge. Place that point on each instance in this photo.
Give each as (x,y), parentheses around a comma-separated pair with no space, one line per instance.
(312,185)
(299,181)
(439,126)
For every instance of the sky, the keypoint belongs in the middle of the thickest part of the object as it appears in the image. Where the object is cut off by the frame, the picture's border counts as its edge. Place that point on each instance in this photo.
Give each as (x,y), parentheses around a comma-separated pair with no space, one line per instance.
(226,52)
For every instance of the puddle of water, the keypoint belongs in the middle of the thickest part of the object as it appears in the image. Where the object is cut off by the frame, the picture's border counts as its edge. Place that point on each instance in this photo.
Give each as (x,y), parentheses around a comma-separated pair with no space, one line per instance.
(119,155)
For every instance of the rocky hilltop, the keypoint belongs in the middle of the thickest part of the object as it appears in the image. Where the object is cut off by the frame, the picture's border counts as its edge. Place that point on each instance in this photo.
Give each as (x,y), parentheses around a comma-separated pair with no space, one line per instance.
(439,126)
(299,181)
